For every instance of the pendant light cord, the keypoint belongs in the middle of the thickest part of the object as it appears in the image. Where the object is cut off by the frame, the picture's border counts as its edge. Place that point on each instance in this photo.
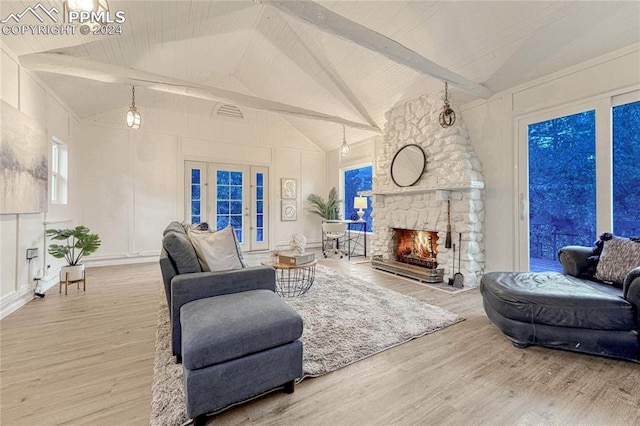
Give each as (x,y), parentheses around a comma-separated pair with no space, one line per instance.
(133,96)
(446,93)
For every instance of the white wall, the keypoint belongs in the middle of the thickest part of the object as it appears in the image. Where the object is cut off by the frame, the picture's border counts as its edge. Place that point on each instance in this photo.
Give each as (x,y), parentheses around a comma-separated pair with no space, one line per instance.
(24,92)
(133,181)
(492,127)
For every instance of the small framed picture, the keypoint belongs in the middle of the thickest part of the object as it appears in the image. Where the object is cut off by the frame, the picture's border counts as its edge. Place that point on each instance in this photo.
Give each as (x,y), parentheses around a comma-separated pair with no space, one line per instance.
(289,210)
(289,188)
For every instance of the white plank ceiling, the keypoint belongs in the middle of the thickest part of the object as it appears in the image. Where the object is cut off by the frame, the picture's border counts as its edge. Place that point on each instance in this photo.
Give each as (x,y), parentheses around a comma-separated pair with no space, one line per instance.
(254,49)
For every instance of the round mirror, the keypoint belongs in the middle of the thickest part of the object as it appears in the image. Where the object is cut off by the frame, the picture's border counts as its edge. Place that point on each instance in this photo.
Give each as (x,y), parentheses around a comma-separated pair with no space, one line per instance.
(408,165)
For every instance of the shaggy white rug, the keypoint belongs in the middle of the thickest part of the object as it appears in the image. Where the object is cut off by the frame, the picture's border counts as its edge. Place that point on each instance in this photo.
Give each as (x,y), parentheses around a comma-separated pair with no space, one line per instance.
(345,318)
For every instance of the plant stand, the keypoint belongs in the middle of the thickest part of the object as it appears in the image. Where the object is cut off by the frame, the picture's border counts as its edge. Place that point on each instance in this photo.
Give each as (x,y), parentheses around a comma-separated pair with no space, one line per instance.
(66,282)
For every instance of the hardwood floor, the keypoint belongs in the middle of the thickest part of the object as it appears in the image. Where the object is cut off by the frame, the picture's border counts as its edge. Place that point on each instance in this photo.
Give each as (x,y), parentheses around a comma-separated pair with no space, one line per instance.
(87,358)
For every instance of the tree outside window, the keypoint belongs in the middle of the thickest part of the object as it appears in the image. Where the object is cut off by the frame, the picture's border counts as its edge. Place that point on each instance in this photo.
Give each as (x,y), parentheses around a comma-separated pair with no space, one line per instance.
(357,180)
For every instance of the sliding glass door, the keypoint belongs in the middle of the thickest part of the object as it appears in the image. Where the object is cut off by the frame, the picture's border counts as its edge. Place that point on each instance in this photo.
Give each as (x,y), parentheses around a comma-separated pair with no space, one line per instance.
(229,195)
(578,177)
(561,186)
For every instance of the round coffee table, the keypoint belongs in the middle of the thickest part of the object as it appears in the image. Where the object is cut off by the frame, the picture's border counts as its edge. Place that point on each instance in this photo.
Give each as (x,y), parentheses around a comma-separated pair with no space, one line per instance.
(293,280)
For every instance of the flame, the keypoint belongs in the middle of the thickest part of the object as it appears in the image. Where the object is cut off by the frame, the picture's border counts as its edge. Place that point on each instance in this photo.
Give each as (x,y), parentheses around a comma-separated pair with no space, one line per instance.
(420,244)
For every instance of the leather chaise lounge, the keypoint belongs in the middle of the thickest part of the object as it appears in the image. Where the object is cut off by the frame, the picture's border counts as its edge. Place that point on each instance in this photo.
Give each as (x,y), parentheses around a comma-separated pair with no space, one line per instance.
(564,311)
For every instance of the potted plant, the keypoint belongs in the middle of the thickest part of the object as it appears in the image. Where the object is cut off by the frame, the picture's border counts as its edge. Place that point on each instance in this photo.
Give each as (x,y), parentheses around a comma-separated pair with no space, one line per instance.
(77,243)
(326,209)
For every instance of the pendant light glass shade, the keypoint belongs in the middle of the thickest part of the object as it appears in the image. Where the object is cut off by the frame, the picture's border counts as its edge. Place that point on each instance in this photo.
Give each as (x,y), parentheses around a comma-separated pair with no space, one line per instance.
(133,116)
(345,149)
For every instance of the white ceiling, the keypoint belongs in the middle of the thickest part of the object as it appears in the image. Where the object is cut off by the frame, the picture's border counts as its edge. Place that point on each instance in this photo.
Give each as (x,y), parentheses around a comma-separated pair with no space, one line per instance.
(253,48)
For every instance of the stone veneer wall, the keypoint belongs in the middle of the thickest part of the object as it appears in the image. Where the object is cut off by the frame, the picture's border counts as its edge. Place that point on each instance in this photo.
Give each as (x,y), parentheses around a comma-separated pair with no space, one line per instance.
(452,166)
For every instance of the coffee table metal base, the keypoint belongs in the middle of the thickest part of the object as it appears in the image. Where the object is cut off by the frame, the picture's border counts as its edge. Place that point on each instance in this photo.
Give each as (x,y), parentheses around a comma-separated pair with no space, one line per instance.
(293,282)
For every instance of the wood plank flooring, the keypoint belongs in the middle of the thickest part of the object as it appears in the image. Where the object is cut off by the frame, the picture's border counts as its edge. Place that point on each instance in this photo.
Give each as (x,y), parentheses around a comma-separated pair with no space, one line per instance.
(87,359)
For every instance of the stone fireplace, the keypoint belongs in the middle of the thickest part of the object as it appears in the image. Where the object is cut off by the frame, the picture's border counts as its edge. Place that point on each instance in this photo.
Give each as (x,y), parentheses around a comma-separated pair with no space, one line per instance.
(453,175)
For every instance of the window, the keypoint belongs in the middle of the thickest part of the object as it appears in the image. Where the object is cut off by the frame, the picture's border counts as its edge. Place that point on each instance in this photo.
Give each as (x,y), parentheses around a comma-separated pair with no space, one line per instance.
(578,177)
(562,166)
(196,195)
(229,204)
(626,171)
(355,180)
(58,171)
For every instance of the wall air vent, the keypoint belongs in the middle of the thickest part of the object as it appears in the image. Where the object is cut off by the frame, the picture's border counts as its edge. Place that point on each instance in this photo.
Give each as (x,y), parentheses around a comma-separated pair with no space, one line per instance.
(230,111)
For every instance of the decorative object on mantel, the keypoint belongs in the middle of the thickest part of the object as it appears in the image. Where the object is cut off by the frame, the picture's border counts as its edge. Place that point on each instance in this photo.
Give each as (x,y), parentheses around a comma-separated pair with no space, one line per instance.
(325,209)
(78,243)
(448,115)
(288,188)
(289,210)
(408,165)
(360,203)
(298,243)
(133,116)
(345,149)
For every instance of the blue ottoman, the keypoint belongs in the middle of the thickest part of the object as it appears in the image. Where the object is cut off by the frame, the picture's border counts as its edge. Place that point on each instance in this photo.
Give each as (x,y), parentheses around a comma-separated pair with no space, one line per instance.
(237,346)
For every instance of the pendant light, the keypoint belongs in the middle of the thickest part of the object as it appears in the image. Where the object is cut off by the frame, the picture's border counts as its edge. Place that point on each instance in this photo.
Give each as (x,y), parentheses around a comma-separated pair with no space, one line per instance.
(133,116)
(345,149)
(448,115)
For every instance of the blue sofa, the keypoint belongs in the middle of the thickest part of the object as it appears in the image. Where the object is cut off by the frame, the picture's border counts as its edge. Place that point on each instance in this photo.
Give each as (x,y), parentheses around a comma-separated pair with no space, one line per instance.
(234,336)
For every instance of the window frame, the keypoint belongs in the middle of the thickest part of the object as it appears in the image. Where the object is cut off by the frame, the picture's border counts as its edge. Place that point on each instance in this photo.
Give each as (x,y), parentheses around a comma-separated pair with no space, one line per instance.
(341,192)
(58,172)
(603,107)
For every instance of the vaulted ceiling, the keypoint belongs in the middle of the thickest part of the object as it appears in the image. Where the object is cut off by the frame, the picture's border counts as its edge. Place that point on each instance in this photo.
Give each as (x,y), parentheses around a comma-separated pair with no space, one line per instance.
(254,48)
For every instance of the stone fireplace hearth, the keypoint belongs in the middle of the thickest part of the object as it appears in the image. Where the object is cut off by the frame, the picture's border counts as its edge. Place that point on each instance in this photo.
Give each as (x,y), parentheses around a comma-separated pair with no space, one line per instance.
(453,174)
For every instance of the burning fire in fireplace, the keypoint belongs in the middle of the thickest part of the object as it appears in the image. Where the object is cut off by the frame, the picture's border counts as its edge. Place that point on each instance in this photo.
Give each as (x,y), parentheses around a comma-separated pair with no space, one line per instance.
(416,247)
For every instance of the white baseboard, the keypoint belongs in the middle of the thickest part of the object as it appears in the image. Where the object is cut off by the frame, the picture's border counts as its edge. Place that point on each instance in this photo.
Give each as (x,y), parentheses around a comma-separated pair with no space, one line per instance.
(18,299)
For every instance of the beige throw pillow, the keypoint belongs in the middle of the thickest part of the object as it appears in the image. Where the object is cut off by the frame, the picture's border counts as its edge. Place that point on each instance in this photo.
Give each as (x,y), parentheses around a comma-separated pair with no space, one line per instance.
(217,251)
(619,256)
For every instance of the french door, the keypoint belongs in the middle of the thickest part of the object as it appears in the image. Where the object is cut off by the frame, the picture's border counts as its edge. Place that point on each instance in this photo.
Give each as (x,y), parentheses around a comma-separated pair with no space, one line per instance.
(229,195)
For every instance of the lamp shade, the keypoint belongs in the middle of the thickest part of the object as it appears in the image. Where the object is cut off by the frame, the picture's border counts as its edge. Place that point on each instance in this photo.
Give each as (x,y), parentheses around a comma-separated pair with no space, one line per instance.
(133,118)
(360,203)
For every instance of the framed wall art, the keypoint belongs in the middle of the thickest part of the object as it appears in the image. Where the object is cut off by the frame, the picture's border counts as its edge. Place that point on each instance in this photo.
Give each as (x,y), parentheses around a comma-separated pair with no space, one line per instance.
(288,188)
(289,211)
(24,178)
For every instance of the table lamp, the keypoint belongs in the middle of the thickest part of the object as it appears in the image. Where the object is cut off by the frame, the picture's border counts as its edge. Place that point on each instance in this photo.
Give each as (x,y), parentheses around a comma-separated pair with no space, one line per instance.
(360,203)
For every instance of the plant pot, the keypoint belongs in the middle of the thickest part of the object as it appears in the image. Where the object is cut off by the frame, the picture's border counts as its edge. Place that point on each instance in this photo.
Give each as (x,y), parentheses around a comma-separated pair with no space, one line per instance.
(76,272)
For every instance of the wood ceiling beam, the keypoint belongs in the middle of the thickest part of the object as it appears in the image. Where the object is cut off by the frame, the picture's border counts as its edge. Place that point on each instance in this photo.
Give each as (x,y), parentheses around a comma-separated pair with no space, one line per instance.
(107,73)
(332,23)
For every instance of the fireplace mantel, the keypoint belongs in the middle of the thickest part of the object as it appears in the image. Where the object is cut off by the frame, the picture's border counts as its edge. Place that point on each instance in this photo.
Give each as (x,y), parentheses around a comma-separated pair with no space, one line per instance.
(463,186)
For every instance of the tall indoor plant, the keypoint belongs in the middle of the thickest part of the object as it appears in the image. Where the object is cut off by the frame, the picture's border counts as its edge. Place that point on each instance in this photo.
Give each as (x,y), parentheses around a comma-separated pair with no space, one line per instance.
(326,209)
(77,243)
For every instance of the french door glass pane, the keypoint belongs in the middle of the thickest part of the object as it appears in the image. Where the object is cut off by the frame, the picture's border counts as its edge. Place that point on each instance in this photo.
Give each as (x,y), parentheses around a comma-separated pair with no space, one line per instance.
(229,201)
(626,169)
(259,206)
(196,198)
(562,187)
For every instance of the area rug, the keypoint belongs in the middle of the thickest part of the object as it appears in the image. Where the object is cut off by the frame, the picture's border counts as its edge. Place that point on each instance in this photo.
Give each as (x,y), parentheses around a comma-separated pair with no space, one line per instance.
(346,319)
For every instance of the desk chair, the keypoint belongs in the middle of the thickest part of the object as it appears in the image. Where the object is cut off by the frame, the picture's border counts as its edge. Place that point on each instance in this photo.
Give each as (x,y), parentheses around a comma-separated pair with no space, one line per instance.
(333,232)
